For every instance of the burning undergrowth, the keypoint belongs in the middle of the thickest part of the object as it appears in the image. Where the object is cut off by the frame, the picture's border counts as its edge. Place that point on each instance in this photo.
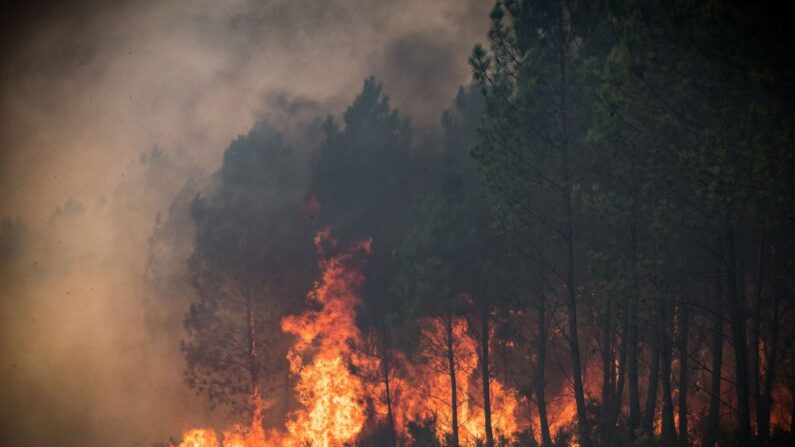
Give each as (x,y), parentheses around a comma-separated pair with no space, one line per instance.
(337,405)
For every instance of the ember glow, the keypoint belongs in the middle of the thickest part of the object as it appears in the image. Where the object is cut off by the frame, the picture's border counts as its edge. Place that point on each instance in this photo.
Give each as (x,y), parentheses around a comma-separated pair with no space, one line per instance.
(397,223)
(428,395)
(334,410)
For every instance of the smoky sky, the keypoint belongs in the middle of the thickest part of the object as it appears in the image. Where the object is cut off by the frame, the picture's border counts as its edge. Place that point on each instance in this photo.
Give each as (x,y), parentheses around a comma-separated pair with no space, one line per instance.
(87,85)
(112,116)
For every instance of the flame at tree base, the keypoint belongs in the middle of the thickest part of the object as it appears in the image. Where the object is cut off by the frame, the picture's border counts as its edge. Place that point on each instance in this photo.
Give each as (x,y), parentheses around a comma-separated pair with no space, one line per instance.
(338,406)
(334,407)
(236,436)
(333,412)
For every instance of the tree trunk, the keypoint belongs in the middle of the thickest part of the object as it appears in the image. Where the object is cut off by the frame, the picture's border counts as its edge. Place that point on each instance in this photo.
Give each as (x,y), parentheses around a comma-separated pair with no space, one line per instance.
(546,438)
(654,379)
(667,416)
(388,392)
(484,370)
(737,316)
(253,362)
(453,384)
(754,353)
(530,430)
(771,355)
(617,398)
(608,368)
(792,409)
(583,430)
(632,343)
(574,348)
(683,334)
(713,417)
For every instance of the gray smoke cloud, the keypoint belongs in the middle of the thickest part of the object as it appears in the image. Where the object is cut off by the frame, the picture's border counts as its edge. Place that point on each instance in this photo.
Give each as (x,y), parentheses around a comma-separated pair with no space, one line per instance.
(89,336)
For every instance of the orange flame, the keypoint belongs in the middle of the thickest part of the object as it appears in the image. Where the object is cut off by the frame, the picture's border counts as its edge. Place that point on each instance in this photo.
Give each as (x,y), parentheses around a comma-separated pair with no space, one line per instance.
(427,390)
(333,409)
(199,437)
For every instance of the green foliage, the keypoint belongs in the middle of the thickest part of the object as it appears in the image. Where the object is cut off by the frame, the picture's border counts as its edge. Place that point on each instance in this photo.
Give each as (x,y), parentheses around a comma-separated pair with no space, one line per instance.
(362,181)
(233,328)
(608,157)
(363,170)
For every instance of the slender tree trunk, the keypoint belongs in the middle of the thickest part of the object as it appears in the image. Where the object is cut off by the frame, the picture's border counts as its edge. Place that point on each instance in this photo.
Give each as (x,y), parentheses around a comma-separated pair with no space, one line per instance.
(530,430)
(737,316)
(453,384)
(617,398)
(632,343)
(771,355)
(387,390)
(667,417)
(574,348)
(484,370)
(754,353)
(608,369)
(654,379)
(574,344)
(546,438)
(583,430)
(253,361)
(713,417)
(792,409)
(767,394)
(683,334)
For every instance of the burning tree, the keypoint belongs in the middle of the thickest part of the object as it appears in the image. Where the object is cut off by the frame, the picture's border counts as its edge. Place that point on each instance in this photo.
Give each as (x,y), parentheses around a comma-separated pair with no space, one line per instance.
(451,282)
(587,258)
(362,183)
(235,350)
(536,120)
(333,412)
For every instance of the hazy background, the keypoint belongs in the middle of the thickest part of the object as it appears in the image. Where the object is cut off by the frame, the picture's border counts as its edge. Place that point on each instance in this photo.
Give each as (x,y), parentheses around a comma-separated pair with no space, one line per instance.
(109,111)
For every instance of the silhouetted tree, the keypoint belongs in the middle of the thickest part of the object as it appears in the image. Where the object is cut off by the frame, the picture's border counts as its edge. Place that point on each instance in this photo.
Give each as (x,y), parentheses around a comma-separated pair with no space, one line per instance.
(235,348)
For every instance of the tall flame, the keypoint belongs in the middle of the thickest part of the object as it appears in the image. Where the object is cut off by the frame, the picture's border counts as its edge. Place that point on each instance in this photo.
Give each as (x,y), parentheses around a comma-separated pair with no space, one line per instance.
(333,401)
(333,411)
(429,395)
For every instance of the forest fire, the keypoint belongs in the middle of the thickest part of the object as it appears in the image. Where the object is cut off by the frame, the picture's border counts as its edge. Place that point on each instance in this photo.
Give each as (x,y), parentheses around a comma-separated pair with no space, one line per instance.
(429,396)
(333,400)
(447,223)
(333,412)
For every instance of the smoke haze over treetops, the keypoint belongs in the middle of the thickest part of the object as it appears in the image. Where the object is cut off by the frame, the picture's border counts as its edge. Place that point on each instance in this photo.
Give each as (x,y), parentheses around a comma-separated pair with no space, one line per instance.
(113,115)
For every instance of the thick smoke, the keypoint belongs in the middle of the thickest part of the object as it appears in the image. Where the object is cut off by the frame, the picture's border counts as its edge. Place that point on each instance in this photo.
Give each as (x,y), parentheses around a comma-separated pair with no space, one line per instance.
(97,231)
